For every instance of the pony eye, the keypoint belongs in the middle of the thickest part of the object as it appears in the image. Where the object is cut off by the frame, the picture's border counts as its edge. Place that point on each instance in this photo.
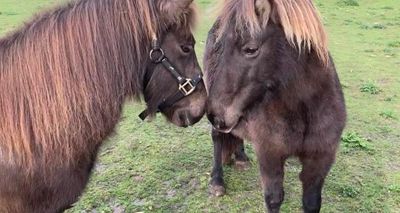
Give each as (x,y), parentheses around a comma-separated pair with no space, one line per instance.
(250,50)
(186,48)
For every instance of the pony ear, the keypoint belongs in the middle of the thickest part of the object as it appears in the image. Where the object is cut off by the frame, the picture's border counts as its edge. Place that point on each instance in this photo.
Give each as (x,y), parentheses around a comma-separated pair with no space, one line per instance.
(172,10)
(263,11)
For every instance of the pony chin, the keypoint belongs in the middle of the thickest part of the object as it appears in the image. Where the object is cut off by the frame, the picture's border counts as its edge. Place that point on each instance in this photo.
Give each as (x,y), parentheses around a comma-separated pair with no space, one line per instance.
(188,111)
(186,117)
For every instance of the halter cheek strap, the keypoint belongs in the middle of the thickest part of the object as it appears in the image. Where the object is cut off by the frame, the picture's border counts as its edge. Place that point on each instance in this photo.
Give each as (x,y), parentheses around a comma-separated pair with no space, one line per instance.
(186,86)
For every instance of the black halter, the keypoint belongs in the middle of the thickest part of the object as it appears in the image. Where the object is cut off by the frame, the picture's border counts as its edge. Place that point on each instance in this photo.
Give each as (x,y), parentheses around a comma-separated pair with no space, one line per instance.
(186,86)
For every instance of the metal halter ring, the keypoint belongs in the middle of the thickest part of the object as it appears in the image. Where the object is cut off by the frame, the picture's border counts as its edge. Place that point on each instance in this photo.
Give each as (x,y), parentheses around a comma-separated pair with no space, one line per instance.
(187,87)
(152,55)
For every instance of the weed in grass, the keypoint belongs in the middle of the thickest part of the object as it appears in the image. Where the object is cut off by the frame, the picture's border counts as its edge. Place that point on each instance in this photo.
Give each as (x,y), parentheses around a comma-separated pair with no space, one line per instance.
(369,51)
(370,88)
(205,2)
(387,8)
(378,26)
(394,44)
(348,3)
(394,188)
(364,26)
(387,50)
(389,99)
(388,114)
(10,13)
(353,140)
(349,191)
(348,21)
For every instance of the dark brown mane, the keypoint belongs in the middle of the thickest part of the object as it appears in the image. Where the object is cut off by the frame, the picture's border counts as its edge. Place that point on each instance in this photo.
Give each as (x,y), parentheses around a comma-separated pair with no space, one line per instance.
(56,69)
(299,19)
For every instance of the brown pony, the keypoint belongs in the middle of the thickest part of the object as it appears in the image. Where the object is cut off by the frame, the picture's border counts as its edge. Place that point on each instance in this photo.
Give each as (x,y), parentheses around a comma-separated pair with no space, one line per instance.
(63,80)
(271,81)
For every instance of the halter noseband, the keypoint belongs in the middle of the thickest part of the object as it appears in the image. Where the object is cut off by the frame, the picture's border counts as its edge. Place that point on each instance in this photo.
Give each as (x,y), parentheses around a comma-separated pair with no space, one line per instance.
(186,86)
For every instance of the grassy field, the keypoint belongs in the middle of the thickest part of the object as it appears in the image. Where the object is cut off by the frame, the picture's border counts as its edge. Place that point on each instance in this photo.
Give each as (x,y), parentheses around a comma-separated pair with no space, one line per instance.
(156,167)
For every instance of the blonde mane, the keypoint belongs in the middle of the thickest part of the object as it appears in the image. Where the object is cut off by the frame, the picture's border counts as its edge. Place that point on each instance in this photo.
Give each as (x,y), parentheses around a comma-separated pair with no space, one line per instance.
(299,19)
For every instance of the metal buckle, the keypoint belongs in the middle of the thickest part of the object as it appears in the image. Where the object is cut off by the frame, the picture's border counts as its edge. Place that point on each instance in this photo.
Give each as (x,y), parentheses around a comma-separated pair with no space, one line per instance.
(187,87)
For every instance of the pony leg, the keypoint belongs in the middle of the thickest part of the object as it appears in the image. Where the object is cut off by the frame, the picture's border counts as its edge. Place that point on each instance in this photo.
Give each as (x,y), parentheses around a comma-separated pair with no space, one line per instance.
(312,176)
(242,162)
(217,187)
(226,145)
(272,172)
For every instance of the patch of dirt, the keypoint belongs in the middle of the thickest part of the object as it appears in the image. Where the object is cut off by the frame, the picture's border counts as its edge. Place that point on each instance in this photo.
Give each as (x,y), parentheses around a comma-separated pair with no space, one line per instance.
(194,184)
(118,209)
(139,202)
(393,166)
(138,178)
(384,81)
(171,193)
(99,167)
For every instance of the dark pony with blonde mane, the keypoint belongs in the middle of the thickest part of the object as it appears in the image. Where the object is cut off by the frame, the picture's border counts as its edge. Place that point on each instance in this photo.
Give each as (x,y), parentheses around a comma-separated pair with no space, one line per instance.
(272,81)
(63,80)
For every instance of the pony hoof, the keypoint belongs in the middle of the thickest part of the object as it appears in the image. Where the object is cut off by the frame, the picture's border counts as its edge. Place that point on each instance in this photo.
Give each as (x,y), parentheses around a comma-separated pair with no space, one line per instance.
(242,165)
(217,191)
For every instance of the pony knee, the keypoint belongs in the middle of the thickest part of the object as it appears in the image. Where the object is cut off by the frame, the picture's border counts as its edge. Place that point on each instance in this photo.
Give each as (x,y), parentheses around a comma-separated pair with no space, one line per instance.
(274,199)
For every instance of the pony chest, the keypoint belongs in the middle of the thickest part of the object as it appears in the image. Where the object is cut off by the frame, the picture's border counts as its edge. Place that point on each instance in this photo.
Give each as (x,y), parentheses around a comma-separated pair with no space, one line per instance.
(272,127)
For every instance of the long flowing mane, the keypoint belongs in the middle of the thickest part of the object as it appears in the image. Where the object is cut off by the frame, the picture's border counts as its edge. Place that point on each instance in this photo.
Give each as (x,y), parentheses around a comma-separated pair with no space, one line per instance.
(299,19)
(65,75)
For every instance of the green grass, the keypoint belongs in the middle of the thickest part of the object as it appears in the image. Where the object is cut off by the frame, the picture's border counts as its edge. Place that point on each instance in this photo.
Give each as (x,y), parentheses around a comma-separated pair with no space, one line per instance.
(156,167)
